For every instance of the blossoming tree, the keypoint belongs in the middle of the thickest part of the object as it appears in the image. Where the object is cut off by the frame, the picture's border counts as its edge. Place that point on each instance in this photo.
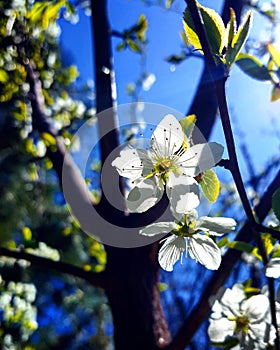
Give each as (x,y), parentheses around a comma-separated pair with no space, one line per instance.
(168,176)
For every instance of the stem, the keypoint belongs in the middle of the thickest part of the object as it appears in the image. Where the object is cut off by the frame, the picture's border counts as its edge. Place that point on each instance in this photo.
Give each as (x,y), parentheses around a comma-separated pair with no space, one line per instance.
(95,279)
(219,84)
(217,74)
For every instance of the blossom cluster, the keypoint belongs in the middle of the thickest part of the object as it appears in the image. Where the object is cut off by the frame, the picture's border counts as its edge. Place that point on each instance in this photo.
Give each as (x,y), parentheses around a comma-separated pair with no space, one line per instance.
(17,310)
(240,321)
(173,165)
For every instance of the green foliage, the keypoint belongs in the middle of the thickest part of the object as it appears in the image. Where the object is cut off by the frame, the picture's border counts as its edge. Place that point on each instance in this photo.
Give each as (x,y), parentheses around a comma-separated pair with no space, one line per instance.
(210,185)
(235,40)
(225,43)
(134,37)
(253,67)
(214,28)
(43,13)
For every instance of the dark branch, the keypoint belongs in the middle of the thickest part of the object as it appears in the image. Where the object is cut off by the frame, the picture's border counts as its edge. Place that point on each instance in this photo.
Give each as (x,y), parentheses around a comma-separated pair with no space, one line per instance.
(95,279)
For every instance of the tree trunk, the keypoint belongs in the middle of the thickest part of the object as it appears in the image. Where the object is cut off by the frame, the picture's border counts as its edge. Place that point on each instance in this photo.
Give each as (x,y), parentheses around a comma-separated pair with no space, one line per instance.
(132,274)
(134,297)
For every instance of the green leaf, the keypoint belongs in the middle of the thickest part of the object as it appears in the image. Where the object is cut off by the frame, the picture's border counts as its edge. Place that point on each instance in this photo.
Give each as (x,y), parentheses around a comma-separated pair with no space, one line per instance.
(231,28)
(274,53)
(276,203)
(245,247)
(238,40)
(168,4)
(4,76)
(210,185)
(188,124)
(121,46)
(275,93)
(142,26)
(214,28)
(162,286)
(36,12)
(133,46)
(253,67)
(48,139)
(268,242)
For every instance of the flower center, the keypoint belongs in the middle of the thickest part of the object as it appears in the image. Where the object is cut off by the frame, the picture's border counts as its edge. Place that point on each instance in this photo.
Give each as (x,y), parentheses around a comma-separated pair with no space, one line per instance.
(164,165)
(241,324)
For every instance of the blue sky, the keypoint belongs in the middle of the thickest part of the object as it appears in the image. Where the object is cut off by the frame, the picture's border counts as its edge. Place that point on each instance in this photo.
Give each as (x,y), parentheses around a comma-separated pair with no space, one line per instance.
(248,99)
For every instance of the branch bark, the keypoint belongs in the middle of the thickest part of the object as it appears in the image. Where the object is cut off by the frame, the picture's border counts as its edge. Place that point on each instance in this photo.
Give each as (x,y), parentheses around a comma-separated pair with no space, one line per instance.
(95,279)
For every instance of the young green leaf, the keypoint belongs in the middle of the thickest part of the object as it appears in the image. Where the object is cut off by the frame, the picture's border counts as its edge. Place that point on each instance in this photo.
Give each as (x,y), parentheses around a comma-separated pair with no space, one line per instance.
(36,12)
(245,247)
(231,28)
(133,46)
(214,28)
(253,67)
(187,124)
(276,203)
(4,76)
(210,185)
(274,53)
(275,93)
(48,139)
(238,40)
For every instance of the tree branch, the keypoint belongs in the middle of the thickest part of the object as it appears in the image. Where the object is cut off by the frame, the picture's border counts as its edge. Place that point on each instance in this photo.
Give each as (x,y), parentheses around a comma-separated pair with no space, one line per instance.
(95,279)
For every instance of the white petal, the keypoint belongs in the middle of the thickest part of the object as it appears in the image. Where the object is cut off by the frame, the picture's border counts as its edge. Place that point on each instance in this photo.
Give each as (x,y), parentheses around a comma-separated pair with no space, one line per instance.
(167,137)
(171,252)
(144,195)
(157,228)
(219,329)
(273,268)
(204,250)
(132,163)
(201,157)
(216,225)
(231,300)
(256,307)
(183,193)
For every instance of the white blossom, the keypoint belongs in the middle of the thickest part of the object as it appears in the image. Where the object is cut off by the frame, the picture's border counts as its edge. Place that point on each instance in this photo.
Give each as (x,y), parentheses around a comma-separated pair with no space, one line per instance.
(245,319)
(272,269)
(169,162)
(187,236)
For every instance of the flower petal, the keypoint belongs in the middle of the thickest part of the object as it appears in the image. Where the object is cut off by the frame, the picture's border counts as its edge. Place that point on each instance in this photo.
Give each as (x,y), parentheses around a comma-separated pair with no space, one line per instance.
(167,137)
(133,163)
(157,228)
(273,268)
(171,252)
(215,226)
(144,195)
(256,307)
(204,250)
(200,157)
(219,329)
(183,193)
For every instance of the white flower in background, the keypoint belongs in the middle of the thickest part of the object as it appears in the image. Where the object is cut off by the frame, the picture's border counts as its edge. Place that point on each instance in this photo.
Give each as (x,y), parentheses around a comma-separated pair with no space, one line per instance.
(272,269)
(168,162)
(245,319)
(186,236)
